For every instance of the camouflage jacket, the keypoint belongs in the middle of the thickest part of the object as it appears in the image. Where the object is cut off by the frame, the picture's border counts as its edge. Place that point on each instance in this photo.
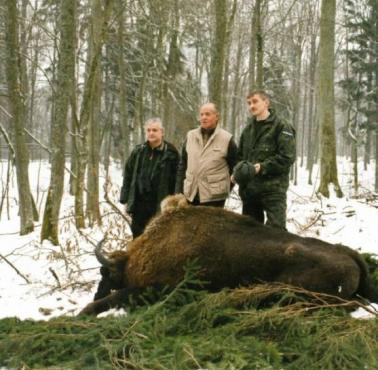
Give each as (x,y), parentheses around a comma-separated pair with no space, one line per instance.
(272,144)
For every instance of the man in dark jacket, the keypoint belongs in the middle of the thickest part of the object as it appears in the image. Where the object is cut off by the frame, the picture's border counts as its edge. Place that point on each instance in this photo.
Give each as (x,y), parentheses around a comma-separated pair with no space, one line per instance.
(266,152)
(149,176)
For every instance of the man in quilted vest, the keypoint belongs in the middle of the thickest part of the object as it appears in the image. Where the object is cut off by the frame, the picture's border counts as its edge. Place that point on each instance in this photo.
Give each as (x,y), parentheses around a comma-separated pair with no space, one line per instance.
(208,157)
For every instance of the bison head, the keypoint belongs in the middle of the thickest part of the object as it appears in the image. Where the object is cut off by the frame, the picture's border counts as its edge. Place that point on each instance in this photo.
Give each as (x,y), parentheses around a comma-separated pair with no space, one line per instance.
(112,271)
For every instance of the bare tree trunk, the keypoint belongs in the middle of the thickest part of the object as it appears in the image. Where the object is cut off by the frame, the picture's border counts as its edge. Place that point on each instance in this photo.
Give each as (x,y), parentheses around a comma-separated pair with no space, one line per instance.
(304,116)
(172,70)
(83,124)
(236,89)
(218,52)
(313,131)
(122,100)
(61,96)
(94,144)
(259,46)
(328,164)
(297,95)
(252,51)
(226,72)
(18,111)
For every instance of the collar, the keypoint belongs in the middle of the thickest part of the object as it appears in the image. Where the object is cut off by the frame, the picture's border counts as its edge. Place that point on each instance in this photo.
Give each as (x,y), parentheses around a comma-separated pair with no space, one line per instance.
(159,148)
(208,132)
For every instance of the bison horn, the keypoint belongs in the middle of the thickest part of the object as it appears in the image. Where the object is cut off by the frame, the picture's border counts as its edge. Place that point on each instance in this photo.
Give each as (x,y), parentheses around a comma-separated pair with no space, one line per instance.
(100,256)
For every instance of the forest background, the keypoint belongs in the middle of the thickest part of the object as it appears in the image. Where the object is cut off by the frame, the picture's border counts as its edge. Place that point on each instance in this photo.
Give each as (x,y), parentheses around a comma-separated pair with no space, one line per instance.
(79,78)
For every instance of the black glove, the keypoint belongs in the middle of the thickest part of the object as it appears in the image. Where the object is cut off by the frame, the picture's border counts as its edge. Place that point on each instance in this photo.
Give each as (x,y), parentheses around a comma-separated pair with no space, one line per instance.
(244,172)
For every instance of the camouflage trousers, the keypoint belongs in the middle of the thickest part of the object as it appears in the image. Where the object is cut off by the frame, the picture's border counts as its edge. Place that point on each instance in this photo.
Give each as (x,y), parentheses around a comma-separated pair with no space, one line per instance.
(268,208)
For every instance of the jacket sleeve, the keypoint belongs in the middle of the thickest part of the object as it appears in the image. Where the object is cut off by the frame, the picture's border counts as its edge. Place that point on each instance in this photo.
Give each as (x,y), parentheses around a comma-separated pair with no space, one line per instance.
(240,147)
(285,153)
(181,170)
(232,155)
(173,175)
(127,177)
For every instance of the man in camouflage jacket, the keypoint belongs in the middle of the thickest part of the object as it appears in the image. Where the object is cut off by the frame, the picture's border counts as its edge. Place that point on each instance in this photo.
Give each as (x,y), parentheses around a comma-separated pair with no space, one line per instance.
(266,152)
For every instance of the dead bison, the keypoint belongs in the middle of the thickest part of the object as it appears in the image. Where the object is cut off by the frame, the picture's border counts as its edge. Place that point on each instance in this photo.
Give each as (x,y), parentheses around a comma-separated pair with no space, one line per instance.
(232,250)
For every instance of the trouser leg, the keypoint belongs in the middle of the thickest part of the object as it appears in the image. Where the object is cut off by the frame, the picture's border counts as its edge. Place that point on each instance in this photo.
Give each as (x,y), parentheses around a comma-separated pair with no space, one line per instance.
(254,209)
(142,214)
(275,207)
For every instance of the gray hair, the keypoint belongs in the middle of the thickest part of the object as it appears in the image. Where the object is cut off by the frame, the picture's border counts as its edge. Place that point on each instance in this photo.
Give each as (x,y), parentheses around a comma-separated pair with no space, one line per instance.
(154,120)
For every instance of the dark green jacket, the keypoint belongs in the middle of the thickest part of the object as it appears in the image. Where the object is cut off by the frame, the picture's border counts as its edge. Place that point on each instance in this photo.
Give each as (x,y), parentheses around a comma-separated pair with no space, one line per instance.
(272,144)
(164,175)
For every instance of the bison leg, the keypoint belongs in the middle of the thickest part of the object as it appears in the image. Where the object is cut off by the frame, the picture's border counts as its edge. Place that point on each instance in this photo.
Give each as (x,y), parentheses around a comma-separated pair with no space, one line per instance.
(116,299)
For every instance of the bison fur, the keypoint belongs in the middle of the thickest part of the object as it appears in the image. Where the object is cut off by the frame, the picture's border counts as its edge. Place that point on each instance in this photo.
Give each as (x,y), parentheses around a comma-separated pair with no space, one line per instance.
(232,250)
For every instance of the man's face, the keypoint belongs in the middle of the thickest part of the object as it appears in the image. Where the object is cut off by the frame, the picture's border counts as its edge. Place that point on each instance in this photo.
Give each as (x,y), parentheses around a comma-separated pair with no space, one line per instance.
(208,116)
(154,134)
(257,106)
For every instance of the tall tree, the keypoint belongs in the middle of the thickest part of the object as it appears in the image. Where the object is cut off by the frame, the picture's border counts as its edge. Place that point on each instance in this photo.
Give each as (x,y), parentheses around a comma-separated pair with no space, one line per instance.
(61,94)
(81,140)
(259,45)
(362,56)
(94,124)
(18,111)
(326,99)
(218,52)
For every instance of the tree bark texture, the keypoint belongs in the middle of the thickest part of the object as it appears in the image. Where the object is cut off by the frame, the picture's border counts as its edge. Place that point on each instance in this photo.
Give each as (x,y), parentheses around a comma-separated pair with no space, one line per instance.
(18,111)
(86,108)
(218,53)
(61,96)
(328,165)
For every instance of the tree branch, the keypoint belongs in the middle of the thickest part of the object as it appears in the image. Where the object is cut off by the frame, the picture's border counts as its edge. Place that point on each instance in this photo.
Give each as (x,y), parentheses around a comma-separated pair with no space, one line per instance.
(15,268)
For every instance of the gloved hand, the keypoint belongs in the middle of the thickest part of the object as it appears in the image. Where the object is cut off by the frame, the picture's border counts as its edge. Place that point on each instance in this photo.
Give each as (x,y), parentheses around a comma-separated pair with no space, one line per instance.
(243,172)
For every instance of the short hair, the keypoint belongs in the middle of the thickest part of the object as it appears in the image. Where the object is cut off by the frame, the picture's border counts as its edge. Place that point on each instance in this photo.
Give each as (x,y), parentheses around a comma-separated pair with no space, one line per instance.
(216,110)
(263,94)
(154,120)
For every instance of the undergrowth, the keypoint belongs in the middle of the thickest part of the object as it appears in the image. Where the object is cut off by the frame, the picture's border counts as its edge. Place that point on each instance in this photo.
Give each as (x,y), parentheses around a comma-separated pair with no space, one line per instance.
(260,327)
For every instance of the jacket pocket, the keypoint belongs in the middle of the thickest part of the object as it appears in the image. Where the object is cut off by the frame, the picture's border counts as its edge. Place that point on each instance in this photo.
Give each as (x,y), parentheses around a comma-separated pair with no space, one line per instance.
(216,178)
(263,153)
(218,185)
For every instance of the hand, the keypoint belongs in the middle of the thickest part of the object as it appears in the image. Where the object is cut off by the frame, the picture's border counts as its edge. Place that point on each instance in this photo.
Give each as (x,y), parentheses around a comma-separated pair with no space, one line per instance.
(257,167)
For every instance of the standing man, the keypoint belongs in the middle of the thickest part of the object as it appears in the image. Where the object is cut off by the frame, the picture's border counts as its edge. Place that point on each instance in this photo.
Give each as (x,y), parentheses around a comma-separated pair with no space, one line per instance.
(266,151)
(149,176)
(208,157)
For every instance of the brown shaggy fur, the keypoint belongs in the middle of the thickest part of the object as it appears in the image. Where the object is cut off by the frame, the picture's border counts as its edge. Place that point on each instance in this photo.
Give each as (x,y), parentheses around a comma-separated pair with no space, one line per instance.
(173,202)
(168,204)
(235,250)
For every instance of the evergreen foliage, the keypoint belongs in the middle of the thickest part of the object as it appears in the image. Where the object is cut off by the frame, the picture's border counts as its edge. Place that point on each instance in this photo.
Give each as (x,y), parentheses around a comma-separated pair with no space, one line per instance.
(260,327)
(362,53)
